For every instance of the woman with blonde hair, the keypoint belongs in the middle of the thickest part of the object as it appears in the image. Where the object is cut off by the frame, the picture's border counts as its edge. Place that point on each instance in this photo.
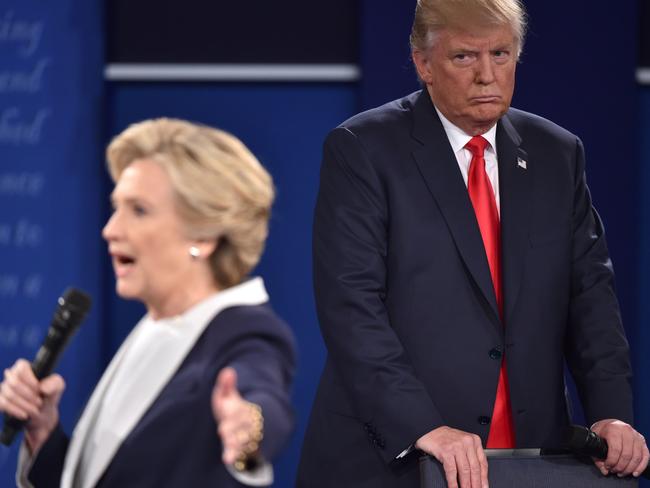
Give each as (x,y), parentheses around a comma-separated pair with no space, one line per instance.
(197,395)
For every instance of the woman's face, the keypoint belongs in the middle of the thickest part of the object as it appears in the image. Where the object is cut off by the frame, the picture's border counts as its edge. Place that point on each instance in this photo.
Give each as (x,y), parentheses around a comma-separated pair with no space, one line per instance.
(146,237)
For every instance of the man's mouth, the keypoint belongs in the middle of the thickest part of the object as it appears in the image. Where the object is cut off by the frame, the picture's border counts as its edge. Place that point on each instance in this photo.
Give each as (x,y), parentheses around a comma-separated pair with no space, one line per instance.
(486,99)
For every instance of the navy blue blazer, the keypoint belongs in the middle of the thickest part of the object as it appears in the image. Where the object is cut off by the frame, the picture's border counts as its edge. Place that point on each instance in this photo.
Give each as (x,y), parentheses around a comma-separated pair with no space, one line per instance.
(175,444)
(406,304)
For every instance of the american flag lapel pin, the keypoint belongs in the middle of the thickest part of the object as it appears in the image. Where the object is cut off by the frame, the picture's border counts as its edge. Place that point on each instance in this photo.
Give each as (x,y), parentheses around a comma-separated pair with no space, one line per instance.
(521,163)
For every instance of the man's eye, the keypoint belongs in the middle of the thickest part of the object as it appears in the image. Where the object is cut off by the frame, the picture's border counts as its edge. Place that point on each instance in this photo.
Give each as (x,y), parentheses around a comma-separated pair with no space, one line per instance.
(139,210)
(463,58)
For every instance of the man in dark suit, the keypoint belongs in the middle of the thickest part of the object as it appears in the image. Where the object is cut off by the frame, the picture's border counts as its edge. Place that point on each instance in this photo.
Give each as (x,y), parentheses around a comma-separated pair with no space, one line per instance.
(458,262)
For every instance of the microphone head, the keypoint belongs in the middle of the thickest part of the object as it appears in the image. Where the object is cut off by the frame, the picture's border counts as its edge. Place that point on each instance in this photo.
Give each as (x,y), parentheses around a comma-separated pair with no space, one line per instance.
(73,307)
(77,299)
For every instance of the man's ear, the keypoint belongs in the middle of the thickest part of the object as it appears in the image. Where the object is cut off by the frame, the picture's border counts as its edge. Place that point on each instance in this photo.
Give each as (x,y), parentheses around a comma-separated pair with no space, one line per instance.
(422,65)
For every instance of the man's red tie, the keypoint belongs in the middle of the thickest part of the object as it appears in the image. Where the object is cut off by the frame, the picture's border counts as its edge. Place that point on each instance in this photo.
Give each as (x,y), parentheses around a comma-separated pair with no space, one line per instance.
(481,194)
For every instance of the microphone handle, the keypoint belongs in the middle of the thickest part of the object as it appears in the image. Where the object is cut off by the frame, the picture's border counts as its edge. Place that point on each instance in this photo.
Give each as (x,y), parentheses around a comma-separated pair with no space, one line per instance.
(595,445)
(50,352)
(44,363)
(10,429)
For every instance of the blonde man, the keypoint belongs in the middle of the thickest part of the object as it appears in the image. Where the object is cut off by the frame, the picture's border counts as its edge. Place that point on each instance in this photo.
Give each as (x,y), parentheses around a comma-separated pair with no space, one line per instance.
(458,262)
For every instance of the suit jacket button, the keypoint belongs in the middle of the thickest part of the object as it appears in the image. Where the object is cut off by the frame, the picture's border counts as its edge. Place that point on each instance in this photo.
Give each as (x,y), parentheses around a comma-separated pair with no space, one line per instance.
(495,353)
(484,420)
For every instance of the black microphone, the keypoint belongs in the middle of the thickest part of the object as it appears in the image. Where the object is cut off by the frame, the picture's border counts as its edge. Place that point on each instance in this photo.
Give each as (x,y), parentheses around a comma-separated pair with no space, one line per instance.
(585,442)
(72,309)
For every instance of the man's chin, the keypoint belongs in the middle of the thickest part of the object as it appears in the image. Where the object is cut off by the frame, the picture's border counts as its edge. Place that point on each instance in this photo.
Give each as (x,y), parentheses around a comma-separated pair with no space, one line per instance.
(488,114)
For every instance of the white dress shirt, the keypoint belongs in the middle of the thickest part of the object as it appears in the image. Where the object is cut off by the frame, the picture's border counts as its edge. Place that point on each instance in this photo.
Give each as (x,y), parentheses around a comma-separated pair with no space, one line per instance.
(458,138)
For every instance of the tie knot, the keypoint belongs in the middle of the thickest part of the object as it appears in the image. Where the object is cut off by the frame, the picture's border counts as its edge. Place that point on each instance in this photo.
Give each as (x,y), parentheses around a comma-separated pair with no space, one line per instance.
(476,145)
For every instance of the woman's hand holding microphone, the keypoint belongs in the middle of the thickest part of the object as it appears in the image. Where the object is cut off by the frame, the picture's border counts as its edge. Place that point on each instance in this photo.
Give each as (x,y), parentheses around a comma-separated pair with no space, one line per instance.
(35,402)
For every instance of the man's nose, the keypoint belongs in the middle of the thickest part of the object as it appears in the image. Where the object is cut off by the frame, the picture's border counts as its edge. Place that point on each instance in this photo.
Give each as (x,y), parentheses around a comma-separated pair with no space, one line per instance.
(485,70)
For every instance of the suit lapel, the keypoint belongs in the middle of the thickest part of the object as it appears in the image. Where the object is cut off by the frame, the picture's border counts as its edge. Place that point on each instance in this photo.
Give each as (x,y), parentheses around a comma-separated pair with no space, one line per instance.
(439,168)
(515,175)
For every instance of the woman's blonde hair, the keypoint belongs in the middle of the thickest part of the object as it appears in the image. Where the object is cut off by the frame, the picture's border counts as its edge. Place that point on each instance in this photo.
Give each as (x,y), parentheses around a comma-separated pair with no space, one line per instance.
(223,192)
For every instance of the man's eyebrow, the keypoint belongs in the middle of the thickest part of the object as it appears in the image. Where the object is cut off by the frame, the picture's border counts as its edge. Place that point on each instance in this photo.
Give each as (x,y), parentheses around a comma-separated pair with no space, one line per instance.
(462,50)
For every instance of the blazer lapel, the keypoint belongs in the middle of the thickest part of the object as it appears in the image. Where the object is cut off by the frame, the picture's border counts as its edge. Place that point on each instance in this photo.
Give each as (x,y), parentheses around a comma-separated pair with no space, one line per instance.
(439,168)
(171,356)
(515,185)
(73,456)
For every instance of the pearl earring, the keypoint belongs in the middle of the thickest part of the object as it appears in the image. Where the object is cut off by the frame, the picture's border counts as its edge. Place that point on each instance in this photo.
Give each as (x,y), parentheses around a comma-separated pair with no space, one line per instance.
(195,252)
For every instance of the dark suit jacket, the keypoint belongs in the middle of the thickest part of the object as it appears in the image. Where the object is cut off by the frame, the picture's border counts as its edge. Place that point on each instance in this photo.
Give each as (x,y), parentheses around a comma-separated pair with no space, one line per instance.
(175,444)
(407,307)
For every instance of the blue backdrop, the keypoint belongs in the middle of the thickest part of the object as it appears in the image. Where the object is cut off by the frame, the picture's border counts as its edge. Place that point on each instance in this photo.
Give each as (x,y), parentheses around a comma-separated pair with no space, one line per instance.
(51,131)
(56,115)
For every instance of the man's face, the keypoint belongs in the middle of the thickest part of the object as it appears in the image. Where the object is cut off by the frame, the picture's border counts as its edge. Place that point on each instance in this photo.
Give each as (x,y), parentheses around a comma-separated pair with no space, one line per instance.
(470,74)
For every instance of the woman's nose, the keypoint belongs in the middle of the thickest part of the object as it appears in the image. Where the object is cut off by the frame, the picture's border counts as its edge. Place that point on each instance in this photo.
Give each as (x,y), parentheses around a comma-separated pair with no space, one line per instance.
(110,230)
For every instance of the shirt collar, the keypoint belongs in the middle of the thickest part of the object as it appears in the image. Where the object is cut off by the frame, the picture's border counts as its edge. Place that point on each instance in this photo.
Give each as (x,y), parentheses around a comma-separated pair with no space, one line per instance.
(250,292)
(458,138)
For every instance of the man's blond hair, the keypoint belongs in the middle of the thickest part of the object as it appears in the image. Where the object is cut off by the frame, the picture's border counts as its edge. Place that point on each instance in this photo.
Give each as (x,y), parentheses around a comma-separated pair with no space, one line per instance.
(431,16)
